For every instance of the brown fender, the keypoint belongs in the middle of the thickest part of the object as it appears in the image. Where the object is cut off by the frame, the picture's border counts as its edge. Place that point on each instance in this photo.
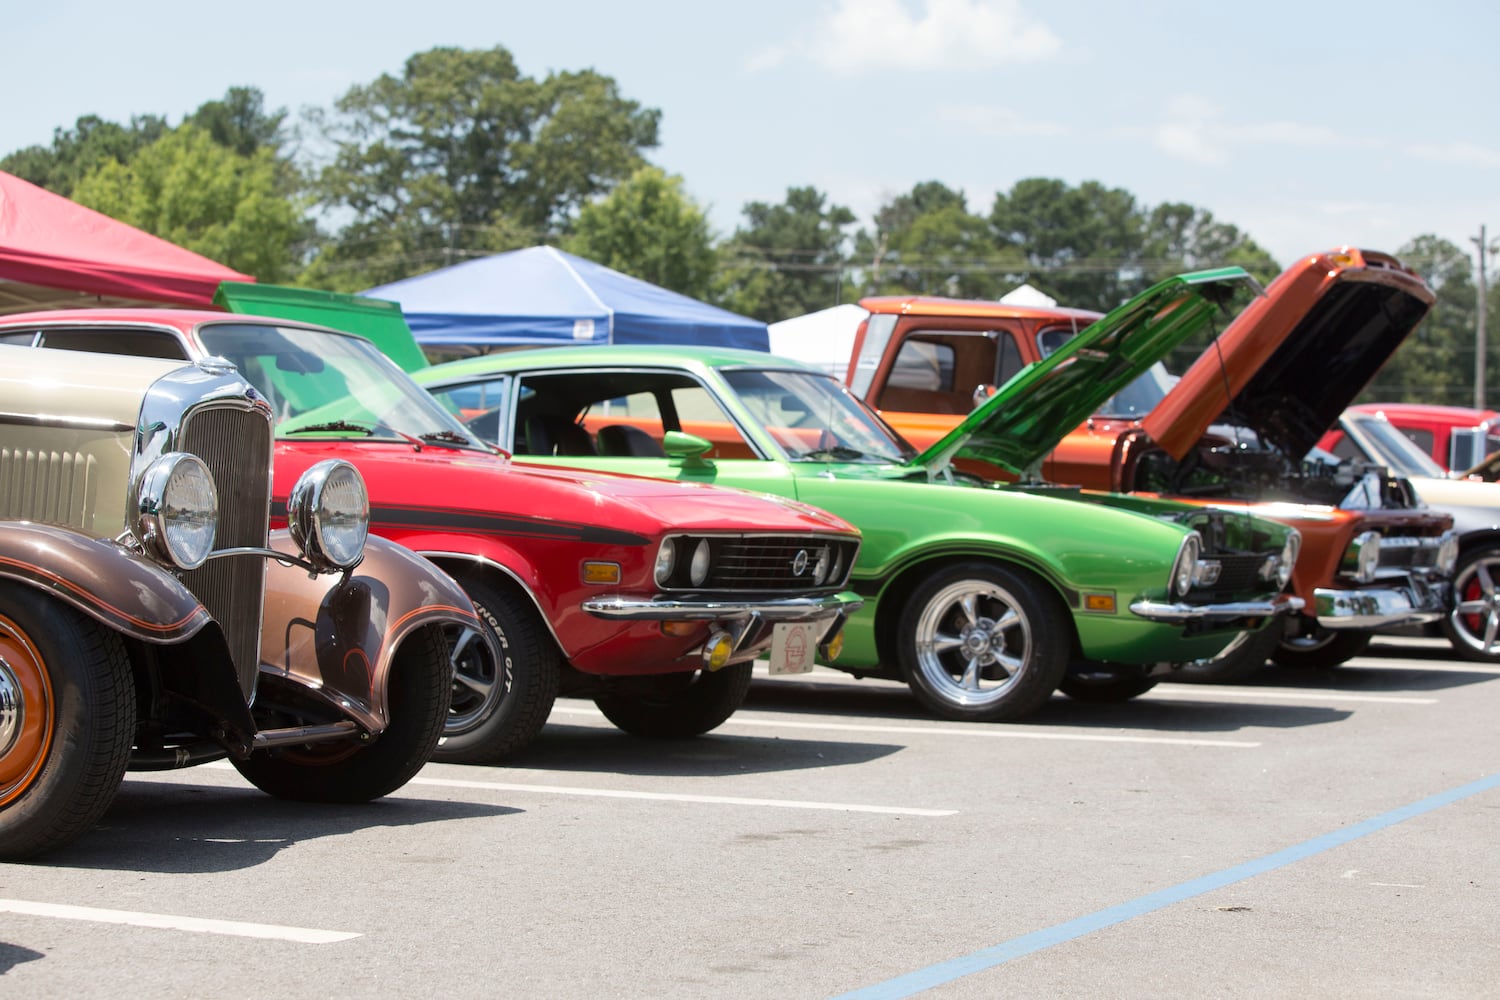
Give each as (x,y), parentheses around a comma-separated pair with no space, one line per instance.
(336,638)
(122,591)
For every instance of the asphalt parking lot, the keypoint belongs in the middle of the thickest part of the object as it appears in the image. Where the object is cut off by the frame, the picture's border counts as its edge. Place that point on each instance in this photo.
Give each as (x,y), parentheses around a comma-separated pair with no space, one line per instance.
(1320,833)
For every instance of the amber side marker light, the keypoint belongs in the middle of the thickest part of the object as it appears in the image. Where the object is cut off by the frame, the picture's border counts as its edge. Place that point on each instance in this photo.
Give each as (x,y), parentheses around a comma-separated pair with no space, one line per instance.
(680,628)
(601,572)
(1099,602)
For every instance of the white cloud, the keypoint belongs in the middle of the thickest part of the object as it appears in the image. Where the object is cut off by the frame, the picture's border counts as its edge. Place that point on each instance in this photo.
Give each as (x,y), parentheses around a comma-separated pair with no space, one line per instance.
(1193,129)
(857,36)
(1456,154)
(999,122)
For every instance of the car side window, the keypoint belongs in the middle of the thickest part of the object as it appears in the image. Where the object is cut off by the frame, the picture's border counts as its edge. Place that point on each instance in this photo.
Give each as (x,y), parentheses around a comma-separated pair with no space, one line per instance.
(138,343)
(479,405)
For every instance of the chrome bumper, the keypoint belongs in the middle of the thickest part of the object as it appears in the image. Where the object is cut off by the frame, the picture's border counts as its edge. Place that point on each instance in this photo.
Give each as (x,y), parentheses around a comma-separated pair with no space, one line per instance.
(1216,614)
(791,609)
(1415,604)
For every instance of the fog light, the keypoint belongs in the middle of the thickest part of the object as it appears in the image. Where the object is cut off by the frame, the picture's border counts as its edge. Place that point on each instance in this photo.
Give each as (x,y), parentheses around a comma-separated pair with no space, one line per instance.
(831,649)
(717,649)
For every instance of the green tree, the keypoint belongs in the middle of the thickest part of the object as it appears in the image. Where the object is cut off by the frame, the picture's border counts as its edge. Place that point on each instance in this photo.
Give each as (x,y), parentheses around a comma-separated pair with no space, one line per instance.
(462,154)
(91,143)
(1436,363)
(1083,245)
(927,242)
(203,196)
(647,227)
(788,259)
(240,121)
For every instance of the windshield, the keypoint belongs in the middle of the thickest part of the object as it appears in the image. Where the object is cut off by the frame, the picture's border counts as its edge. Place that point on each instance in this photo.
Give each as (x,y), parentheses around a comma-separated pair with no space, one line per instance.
(813,419)
(333,385)
(1390,447)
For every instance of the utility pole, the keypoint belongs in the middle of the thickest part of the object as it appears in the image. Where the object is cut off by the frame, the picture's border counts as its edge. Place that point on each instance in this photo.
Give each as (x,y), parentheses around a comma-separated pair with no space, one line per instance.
(1485,249)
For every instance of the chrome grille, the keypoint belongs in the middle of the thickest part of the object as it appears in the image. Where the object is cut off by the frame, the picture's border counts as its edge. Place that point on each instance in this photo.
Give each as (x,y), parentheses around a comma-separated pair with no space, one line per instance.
(763,563)
(52,486)
(235,444)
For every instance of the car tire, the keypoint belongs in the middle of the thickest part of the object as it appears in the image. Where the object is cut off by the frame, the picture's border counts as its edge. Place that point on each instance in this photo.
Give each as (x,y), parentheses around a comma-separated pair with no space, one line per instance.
(982,642)
(676,706)
(67,725)
(1239,661)
(419,687)
(505,679)
(1099,685)
(1321,648)
(1473,626)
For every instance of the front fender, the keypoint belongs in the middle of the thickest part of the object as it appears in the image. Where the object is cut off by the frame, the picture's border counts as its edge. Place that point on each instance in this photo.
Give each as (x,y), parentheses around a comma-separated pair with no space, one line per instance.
(124,592)
(336,638)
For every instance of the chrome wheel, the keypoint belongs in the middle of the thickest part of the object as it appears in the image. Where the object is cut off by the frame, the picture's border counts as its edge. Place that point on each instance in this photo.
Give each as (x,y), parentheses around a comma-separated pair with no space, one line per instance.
(477,685)
(1473,626)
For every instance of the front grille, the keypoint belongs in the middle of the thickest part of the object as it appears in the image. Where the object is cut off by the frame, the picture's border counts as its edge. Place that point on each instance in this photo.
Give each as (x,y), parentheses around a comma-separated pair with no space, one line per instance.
(764,563)
(57,487)
(235,445)
(1241,574)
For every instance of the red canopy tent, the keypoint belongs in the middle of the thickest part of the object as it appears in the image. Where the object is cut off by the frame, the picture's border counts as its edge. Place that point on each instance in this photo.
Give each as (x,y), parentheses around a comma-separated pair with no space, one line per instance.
(56,253)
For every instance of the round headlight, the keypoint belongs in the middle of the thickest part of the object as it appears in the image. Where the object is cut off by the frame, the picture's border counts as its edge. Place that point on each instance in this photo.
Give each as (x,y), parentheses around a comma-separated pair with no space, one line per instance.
(1186,565)
(698,568)
(1289,553)
(328,512)
(666,561)
(1447,556)
(1366,553)
(177,510)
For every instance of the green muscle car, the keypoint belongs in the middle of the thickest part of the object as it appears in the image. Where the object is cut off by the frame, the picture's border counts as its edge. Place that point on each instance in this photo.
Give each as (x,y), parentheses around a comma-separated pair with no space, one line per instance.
(984,598)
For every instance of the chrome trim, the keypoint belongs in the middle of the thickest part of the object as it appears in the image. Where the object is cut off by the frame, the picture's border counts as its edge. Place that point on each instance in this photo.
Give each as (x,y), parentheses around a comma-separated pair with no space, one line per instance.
(1379,608)
(58,420)
(12,707)
(304,734)
(664,609)
(1160,611)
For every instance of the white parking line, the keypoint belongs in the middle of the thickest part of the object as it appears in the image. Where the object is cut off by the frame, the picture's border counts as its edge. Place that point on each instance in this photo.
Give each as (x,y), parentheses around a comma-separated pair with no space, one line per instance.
(978,730)
(201,925)
(729,800)
(1195,692)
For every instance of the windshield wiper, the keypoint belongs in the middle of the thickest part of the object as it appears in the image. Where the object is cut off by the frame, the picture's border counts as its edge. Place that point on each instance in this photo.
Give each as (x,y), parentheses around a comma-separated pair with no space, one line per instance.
(447,437)
(330,425)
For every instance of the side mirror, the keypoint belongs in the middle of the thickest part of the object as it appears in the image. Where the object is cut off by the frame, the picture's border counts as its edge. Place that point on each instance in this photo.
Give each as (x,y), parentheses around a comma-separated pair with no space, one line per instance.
(689,448)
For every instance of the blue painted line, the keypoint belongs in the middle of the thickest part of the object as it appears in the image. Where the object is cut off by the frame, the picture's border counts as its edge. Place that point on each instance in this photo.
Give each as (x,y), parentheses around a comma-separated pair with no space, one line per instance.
(988,958)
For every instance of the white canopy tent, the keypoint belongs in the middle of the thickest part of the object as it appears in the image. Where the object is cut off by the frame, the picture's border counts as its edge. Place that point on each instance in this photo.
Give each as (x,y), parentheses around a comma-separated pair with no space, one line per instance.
(824,338)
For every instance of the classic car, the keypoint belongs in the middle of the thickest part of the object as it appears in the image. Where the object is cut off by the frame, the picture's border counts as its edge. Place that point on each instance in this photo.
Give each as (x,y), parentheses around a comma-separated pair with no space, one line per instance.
(150,619)
(984,599)
(1472,624)
(1456,438)
(654,599)
(1231,432)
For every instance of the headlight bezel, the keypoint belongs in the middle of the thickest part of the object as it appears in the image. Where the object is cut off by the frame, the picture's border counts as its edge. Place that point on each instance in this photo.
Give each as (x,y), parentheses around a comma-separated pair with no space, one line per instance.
(171,533)
(1185,565)
(1362,560)
(331,539)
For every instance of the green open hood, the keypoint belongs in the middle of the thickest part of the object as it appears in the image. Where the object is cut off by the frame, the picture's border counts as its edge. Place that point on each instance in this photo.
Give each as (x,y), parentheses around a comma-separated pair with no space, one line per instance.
(1017,426)
(379,320)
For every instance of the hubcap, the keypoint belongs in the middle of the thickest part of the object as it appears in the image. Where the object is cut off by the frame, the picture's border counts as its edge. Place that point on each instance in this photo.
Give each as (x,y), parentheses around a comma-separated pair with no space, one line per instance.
(1476,613)
(25,712)
(477,685)
(972,643)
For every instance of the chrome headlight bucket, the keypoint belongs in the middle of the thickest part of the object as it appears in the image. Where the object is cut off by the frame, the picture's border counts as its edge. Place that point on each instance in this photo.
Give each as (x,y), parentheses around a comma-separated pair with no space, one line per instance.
(1362,559)
(328,512)
(177,510)
(1185,566)
(1279,567)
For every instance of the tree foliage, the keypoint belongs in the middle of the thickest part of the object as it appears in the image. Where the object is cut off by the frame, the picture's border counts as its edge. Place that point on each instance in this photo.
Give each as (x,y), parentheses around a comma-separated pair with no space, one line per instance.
(648,228)
(195,193)
(788,259)
(462,154)
(91,143)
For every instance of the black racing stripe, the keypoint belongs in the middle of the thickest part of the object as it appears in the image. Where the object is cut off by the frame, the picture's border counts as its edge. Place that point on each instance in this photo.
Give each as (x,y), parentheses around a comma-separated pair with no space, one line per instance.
(490,524)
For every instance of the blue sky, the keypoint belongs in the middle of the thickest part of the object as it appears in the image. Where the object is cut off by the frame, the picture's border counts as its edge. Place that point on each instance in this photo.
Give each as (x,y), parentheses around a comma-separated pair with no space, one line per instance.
(1306,125)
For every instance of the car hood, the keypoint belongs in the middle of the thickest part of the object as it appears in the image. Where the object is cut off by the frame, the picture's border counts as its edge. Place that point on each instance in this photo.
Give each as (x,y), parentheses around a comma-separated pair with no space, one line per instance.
(486,485)
(1024,420)
(1296,357)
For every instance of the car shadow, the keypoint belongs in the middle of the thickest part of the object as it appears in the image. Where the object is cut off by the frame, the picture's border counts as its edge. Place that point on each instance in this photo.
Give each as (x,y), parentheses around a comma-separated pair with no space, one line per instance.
(592,749)
(172,828)
(12,955)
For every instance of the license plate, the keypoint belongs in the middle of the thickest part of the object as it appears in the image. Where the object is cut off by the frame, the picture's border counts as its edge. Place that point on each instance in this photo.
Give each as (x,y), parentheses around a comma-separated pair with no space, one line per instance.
(793,646)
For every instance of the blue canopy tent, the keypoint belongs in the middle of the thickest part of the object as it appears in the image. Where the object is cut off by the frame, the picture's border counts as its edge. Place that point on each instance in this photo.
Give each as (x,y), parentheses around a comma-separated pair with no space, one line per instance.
(542,295)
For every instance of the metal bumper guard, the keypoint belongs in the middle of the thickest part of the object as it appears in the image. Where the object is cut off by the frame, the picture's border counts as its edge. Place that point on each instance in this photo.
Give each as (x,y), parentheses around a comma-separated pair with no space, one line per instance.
(747,622)
(1233,613)
(1414,602)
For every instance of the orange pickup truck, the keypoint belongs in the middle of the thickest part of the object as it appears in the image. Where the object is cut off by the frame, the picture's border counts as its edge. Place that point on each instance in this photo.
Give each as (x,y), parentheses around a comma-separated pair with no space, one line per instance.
(1239,429)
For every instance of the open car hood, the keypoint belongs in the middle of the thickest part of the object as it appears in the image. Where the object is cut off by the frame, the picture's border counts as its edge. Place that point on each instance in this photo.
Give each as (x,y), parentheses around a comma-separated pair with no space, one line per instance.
(1023,421)
(1296,357)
